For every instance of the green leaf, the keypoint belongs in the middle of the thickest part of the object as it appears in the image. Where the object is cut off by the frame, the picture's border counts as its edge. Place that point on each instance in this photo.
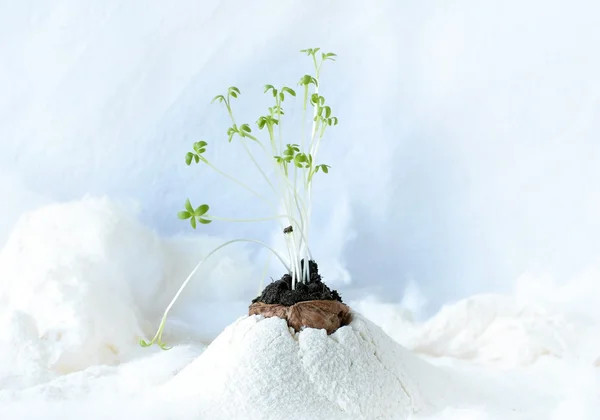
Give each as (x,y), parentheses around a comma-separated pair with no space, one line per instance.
(201,210)
(197,158)
(188,158)
(328,56)
(164,346)
(288,90)
(200,147)
(184,215)
(233,91)
(310,51)
(268,87)
(220,98)
(188,206)
(325,168)
(144,343)
(246,128)
(305,80)
(281,96)
(193,222)
(327,111)
(204,221)
(300,157)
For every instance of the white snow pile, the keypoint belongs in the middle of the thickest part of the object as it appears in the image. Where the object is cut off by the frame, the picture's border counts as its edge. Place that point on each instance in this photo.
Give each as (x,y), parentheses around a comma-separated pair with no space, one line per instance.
(75,309)
(80,282)
(259,368)
(484,328)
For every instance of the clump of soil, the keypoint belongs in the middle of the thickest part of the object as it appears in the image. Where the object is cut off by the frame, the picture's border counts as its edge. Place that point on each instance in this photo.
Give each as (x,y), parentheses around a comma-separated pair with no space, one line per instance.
(280,292)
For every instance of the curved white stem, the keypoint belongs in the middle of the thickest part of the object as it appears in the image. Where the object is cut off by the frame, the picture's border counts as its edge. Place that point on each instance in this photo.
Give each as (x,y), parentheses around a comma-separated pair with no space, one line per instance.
(158,335)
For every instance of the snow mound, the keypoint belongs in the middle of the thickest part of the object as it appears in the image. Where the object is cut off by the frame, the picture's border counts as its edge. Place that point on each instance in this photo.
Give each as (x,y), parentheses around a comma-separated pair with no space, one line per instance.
(68,285)
(493,329)
(259,368)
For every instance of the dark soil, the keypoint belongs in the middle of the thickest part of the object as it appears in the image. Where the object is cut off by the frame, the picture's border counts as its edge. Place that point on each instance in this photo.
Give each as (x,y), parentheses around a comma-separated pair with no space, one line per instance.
(280,292)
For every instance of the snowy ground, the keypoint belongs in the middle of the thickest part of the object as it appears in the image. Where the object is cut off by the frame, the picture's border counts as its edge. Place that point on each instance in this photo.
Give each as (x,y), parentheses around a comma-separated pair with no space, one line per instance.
(80,282)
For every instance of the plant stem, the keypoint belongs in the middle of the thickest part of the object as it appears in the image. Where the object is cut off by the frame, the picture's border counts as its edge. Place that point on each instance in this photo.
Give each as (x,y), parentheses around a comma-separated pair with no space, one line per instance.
(240,183)
(308,187)
(263,219)
(262,278)
(257,165)
(158,336)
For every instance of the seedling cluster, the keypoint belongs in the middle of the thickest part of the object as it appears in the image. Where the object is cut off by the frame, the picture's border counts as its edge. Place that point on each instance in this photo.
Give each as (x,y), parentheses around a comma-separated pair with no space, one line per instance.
(295,166)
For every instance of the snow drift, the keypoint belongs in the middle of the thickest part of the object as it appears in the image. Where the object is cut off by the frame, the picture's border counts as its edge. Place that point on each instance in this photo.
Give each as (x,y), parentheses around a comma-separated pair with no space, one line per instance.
(81,281)
(67,270)
(258,368)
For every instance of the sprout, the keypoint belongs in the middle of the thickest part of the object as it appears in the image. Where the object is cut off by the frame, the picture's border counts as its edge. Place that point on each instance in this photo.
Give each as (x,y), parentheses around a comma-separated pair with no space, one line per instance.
(294,166)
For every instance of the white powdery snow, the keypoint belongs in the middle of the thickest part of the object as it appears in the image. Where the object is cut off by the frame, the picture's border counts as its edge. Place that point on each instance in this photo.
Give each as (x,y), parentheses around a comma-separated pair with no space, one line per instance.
(78,295)
(258,368)
(492,328)
(82,281)
(79,280)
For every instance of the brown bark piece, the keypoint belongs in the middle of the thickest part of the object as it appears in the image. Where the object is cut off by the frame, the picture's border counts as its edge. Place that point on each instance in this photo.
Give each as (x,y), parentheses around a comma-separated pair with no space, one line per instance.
(320,314)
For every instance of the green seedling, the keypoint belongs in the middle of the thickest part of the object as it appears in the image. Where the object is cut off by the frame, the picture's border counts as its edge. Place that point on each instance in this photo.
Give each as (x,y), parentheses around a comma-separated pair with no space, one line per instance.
(295,166)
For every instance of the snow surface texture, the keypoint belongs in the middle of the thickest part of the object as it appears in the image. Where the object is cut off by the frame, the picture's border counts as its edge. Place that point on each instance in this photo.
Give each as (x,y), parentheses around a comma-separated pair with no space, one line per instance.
(258,368)
(84,280)
(80,281)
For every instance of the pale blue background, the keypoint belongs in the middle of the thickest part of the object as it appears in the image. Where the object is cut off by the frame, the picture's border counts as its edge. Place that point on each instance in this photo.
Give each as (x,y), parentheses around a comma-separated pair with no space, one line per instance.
(468,150)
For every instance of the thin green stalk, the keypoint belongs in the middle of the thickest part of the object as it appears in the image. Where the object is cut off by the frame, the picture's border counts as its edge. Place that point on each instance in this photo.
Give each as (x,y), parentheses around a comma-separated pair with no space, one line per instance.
(279,123)
(158,336)
(264,219)
(230,112)
(295,265)
(278,170)
(258,166)
(308,183)
(240,183)
(264,274)
(284,176)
